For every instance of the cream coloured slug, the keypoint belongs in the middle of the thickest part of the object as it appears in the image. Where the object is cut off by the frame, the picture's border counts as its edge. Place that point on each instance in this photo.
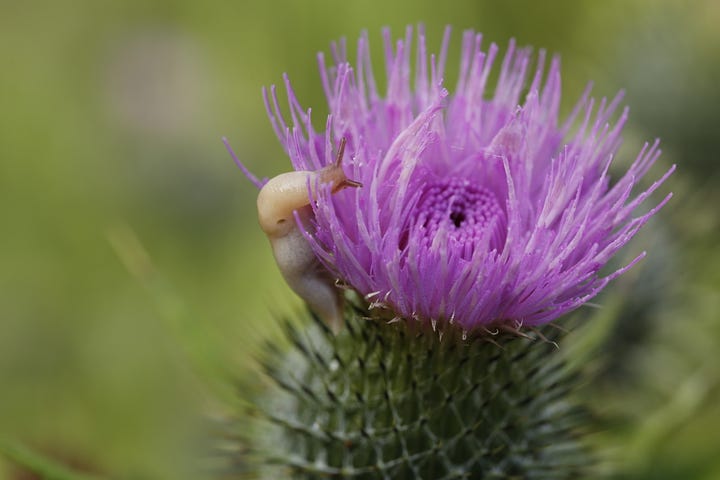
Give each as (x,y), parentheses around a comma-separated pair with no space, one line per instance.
(306,276)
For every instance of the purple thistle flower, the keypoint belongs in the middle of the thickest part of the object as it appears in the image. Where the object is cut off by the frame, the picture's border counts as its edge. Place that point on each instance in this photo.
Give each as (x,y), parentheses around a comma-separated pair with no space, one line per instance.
(475,209)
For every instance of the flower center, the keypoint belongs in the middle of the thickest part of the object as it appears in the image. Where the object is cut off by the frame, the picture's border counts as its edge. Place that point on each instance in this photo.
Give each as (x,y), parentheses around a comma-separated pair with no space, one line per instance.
(466,215)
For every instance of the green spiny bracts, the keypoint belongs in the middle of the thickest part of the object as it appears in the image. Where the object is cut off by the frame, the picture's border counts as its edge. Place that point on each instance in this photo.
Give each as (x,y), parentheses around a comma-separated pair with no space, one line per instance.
(389,401)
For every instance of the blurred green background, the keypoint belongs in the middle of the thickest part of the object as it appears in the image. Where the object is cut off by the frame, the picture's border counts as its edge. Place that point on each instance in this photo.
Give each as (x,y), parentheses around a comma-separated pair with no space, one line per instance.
(134,283)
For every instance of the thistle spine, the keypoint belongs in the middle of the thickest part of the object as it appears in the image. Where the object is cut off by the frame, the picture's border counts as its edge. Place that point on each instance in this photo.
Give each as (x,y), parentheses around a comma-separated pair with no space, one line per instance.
(395,401)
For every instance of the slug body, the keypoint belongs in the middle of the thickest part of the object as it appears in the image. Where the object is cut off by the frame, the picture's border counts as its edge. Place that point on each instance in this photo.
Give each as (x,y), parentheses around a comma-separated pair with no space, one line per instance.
(277,201)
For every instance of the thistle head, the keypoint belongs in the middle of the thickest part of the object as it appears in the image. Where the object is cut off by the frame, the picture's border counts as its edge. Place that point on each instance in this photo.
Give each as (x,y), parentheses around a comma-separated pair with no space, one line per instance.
(478,209)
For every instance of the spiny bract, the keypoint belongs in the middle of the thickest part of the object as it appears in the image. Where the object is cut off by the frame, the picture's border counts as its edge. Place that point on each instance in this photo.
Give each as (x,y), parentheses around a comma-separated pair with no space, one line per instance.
(392,401)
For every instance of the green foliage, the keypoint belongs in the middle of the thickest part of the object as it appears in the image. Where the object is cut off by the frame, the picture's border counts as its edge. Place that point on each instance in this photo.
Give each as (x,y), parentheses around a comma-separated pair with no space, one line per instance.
(38,464)
(397,401)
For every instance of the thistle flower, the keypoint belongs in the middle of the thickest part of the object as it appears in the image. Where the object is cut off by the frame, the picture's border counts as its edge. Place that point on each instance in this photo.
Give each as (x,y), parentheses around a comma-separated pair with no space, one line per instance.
(475,209)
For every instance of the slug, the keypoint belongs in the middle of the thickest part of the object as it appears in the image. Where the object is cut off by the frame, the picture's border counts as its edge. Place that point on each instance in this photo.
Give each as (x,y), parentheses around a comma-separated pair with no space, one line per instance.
(307,277)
